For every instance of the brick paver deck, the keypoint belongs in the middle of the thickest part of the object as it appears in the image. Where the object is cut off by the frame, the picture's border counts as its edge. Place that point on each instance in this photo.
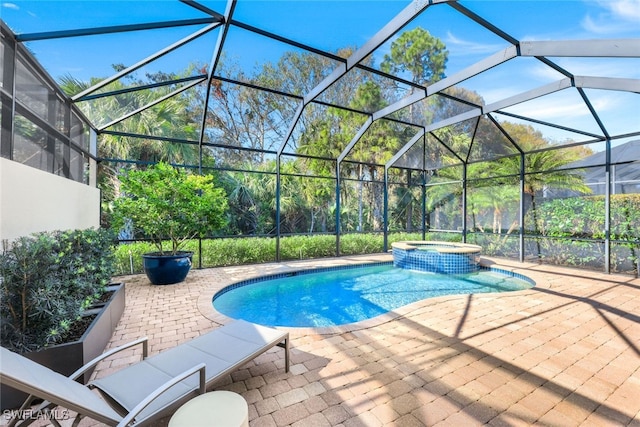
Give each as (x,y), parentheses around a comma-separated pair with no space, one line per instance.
(564,353)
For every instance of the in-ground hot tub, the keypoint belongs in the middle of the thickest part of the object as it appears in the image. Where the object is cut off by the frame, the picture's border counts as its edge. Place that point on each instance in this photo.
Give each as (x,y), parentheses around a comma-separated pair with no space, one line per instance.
(437,257)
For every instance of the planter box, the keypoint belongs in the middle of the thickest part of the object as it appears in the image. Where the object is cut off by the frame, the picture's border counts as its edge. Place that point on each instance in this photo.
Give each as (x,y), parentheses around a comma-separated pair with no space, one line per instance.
(66,358)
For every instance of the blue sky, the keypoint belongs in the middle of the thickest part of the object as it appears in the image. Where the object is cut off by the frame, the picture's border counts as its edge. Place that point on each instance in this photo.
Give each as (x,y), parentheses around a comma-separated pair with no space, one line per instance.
(329,25)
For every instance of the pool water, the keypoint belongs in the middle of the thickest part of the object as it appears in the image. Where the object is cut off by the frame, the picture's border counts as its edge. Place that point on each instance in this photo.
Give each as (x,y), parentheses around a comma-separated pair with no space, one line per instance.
(342,296)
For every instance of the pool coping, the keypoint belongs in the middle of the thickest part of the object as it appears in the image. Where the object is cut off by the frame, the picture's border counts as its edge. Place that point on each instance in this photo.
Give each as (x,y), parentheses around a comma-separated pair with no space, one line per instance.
(206,308)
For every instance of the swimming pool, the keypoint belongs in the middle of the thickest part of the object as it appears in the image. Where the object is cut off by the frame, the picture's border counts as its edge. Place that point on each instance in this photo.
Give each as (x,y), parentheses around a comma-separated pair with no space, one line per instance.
(339,296)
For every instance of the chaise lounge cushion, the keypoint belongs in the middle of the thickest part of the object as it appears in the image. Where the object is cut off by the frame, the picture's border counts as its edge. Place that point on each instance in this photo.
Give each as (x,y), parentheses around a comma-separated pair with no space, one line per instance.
(222,350)
(30,377)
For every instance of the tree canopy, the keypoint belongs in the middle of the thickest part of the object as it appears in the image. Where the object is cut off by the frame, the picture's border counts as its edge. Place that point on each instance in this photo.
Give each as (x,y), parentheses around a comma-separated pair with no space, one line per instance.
(244,127)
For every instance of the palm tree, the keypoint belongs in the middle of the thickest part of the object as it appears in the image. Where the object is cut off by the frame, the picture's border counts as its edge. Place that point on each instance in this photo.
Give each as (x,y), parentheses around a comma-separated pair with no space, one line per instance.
(169,119)
(544,168)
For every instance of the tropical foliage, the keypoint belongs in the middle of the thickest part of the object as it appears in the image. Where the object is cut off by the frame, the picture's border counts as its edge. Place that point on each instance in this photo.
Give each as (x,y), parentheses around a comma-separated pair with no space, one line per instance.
(47,280)
(243,129)
(251,250)
(162,202)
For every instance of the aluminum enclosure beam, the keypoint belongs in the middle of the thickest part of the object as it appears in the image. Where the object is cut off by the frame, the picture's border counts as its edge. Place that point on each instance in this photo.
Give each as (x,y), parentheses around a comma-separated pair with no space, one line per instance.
(549,63)
(453,153)
(320,52)
(528,95)
(143,87)
(553,125)
(595,115)
(292,96)
(473,70)
(112,29)
(399,105)
(152,103)
(405,148)
(355,139)
(467,115)
(631,85)
(292,126)
(203,8)
(608,83)
(285,40)
(400,20)
(443,123)
(483,22)
(338,72)
(619,48)
(145,61)
(215,57)
(222,36)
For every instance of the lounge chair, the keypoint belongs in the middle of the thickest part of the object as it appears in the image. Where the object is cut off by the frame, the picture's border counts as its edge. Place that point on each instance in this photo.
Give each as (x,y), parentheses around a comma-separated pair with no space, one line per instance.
(151,388)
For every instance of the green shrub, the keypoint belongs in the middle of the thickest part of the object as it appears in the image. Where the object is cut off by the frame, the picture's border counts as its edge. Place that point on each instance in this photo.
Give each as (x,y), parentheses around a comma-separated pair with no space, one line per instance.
(129,257)
(585,217)
(625,217)
(570,219)
(404,237)
(47,280)
(238,251)
(163,203)
(258,250)
(307,247)
(360,244)
(507,245)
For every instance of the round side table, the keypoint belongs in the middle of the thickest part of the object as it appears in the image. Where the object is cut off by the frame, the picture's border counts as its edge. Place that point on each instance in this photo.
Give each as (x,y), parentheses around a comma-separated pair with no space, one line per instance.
(216,409)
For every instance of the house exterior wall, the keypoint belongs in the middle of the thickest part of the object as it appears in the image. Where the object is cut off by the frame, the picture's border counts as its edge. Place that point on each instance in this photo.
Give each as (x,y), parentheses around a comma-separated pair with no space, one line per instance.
(32,200)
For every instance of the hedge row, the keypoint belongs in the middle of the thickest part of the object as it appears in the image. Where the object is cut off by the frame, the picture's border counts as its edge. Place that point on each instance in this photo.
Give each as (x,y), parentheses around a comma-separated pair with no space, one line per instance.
(257,250)
(585,217)
(573,233)
(561,223)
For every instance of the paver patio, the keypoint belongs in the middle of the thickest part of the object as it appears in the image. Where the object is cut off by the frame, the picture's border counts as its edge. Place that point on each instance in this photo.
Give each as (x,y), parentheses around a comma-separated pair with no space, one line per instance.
(564,353)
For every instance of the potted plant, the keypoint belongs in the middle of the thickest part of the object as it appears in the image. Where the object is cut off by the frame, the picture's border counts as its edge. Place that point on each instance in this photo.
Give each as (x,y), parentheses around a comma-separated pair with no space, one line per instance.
(164,204)
(57,304)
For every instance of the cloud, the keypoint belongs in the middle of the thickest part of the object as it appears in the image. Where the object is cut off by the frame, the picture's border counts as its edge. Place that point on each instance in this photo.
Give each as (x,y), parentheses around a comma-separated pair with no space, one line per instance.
(627,10)
(616,16)
(11,6)
(543,73)
(602,67)
(565,107)
(497,94)
(605,26)
(472,47)
(556,110)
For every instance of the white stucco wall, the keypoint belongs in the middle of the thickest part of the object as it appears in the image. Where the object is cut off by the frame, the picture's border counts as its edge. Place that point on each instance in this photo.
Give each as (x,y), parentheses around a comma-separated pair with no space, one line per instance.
(32,200)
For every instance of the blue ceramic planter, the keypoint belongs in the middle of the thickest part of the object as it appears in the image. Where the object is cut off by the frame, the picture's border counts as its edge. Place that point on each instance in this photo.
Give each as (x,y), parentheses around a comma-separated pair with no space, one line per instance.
(167,269)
